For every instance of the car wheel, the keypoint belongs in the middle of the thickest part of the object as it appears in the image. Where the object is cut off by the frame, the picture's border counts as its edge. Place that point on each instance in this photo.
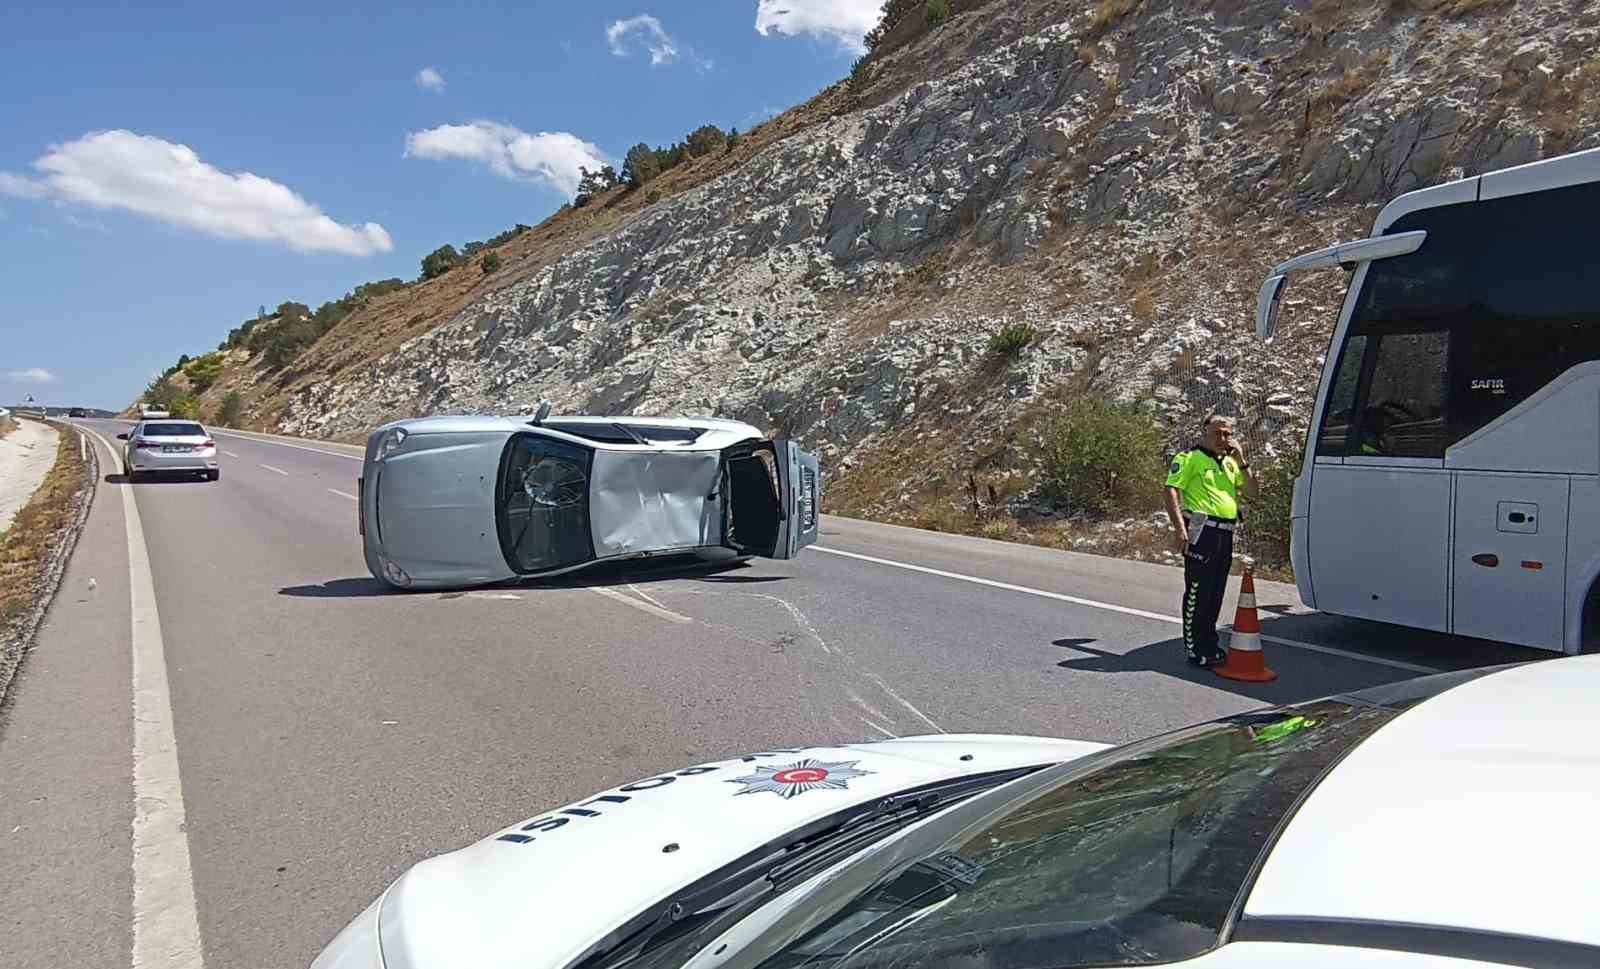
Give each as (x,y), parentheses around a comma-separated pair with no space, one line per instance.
(213,474)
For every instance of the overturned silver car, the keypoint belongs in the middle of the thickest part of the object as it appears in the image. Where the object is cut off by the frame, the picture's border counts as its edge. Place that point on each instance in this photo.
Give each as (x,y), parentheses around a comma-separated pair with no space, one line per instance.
(448,502)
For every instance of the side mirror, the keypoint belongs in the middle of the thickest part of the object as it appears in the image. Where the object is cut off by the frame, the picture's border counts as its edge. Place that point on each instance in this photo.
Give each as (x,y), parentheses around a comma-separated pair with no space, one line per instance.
(122,437)
(544,411)
(1267,305)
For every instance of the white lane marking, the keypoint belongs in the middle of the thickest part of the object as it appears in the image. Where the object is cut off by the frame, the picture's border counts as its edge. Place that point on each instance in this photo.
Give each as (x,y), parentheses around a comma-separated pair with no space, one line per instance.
(1125,610)
(493,595)
(880,729)
(641,605)
(342,494)
(297,447)
(1380,660)
(274,470)
(1075,600)
(166,924)
(647,597)
(229,453)
(83,444)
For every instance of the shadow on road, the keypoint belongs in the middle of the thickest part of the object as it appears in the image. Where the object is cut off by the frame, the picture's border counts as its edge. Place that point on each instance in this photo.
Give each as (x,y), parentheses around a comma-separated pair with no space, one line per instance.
(340,589)
(597,576)
(634,573)
(173,478)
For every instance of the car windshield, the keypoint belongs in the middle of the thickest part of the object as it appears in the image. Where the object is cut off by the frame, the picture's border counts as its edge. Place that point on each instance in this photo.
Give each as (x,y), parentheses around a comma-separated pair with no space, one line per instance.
(543,504)
(172,430)
(1133,861)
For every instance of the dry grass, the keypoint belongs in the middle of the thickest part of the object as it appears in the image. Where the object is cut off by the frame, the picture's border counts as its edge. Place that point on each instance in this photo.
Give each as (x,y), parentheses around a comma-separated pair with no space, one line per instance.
(1342,90)
(35,531)
(7,425)
(1109,13)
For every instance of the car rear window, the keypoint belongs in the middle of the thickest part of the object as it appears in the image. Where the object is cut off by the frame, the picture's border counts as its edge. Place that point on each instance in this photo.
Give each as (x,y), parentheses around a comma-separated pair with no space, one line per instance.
(172,430)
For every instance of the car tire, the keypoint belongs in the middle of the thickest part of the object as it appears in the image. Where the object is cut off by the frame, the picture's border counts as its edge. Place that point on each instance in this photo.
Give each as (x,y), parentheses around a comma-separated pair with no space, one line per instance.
(213,474)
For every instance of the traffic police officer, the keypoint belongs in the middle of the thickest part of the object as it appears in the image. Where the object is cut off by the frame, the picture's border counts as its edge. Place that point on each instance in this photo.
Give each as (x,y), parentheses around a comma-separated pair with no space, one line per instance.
(1203,503)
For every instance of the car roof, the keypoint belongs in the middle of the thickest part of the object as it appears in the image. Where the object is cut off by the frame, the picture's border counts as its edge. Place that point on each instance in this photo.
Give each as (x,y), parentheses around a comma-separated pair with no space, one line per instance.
(1475,809)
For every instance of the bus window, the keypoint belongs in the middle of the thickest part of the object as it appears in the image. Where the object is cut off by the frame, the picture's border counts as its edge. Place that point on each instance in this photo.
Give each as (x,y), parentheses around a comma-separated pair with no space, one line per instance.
(1340,413)
(1537,308)
(1402,413)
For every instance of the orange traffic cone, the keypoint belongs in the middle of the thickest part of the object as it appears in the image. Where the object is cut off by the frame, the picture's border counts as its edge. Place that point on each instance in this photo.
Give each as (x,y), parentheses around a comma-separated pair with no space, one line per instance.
(1245,661)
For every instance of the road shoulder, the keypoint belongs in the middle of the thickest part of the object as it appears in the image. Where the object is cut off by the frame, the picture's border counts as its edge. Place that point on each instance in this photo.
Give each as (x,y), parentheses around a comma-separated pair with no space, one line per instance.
(66,736)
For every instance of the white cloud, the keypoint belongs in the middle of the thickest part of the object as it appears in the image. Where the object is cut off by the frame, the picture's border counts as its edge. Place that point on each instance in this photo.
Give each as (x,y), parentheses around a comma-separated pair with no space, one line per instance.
(167,181)
(644,31)
(844,22)
(552,157)
(429,79)
(33,375)
(22,187)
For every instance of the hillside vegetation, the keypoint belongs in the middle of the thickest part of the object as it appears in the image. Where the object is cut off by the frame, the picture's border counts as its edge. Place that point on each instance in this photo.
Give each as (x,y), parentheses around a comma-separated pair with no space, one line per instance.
(1014,229)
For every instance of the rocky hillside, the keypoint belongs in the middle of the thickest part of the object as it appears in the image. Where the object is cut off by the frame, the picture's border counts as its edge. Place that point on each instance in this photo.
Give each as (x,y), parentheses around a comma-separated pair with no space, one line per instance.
(1112,183)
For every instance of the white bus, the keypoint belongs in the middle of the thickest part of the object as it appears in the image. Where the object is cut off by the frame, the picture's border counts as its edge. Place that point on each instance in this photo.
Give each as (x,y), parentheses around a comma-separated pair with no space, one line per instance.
(1451,478)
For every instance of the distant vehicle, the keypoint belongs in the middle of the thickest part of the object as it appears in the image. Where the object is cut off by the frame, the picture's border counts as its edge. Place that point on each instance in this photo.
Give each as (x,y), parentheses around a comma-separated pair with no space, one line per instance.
(1451,477)
(161,447)
(77,412)
(1352,831)
(461,501)
(152,410)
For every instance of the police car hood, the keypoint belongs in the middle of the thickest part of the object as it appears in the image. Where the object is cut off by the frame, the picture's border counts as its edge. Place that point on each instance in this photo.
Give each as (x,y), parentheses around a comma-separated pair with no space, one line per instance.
(544,892)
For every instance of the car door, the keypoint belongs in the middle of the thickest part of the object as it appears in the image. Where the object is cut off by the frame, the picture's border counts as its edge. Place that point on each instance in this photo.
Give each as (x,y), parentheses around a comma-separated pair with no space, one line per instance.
(772,490)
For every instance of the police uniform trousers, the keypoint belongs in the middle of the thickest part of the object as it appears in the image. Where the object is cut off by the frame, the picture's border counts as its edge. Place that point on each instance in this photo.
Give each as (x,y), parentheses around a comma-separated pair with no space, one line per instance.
(1206,563)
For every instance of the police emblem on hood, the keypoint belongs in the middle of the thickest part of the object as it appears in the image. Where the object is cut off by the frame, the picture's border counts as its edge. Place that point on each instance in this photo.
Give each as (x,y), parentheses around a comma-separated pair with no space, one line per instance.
(789,780)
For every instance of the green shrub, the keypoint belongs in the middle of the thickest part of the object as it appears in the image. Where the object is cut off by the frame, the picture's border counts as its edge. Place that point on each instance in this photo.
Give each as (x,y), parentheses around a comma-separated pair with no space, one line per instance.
(440,261)
(641,165)
(706,139)
(652,197)
(1010,339)
(1269,507)
(938,12)
(1103,457)
(930,269)
(203,372)
(231,410)
(186,406)
(489,263)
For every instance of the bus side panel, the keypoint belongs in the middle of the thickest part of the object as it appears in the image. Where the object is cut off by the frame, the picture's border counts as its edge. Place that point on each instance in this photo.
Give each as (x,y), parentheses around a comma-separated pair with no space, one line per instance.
(1583,554)
(1379,540)
(1511,558)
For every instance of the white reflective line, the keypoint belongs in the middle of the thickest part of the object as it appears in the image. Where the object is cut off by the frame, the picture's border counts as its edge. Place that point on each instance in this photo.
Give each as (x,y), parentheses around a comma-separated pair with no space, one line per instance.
(641,605)
(166,925)
(1363,657)
(1075,600)
(83,443)
(229,453)
(1125,610)
(342,494)
(297,447)
(274,470)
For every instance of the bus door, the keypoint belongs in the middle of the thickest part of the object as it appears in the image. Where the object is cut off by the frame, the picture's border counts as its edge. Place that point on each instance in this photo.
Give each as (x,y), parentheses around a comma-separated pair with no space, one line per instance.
(1378,533)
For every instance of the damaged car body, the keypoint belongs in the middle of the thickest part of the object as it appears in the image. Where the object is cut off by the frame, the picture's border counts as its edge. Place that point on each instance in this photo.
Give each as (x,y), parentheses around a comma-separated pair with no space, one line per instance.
(449,502)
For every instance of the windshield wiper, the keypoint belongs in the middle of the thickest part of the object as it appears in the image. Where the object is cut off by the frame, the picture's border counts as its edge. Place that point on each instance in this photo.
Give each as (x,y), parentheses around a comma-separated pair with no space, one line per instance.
(777,867)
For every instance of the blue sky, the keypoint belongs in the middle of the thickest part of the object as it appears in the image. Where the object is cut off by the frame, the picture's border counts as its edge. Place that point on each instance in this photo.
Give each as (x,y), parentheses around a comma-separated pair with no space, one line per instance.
(169,167)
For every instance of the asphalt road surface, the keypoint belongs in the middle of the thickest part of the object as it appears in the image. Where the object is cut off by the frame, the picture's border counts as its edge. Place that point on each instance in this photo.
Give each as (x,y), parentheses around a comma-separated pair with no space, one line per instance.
(328,734)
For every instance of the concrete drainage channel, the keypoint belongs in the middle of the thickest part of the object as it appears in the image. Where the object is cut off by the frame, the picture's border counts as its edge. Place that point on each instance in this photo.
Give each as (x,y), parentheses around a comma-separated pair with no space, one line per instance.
(17,632)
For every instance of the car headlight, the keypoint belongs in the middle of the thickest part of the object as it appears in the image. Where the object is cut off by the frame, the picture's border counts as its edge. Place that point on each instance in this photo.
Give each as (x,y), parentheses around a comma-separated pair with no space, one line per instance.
(391,441)
(396,574)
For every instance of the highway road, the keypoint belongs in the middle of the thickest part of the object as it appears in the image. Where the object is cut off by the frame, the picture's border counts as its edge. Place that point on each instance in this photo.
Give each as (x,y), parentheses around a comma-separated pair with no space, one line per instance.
(311,735)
